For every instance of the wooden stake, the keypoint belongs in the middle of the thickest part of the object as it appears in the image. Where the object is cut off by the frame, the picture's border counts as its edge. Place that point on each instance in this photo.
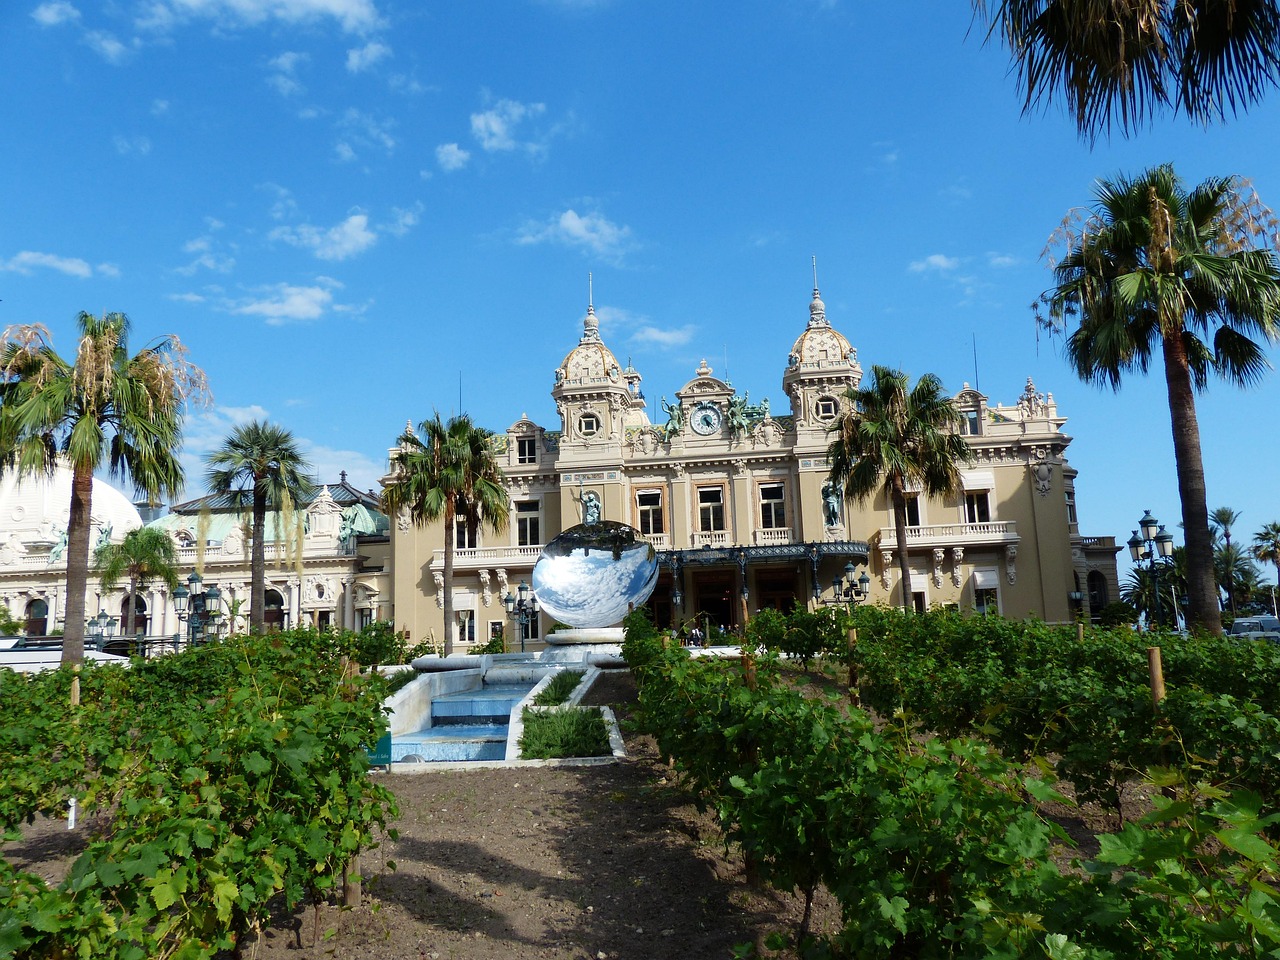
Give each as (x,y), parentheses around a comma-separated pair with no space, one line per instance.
(351,886)
(1156,670)
(853,666)
(1080,632)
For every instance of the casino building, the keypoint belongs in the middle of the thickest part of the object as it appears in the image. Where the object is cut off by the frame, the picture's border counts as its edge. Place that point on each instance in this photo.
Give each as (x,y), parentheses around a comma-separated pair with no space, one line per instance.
(734,497)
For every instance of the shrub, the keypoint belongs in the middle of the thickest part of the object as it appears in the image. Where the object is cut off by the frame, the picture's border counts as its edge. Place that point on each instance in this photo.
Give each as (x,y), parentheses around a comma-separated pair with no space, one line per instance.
(551,734)
(557,691)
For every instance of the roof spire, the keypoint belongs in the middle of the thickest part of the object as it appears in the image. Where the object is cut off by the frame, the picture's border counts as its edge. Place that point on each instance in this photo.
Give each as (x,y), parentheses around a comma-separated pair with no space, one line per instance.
(590,323)
(817,309)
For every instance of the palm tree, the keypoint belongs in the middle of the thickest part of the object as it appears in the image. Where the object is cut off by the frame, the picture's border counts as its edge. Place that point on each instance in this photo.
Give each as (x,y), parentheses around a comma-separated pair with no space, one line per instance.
(259,464)
(145,554)
(1266,546)
(449,473)
(1157,267)
(1221,520)
(888,437)
(107,409)
(1130,59)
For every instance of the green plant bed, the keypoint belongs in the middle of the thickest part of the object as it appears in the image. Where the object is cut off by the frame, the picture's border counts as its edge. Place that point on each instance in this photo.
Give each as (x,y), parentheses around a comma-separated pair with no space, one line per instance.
(555,734)
(557,691)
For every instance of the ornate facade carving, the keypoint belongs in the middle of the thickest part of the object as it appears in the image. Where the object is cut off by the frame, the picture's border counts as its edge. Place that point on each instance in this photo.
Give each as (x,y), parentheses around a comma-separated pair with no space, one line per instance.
(957,556)
(1010,560)
(938,555)
(886,559)
(438,577)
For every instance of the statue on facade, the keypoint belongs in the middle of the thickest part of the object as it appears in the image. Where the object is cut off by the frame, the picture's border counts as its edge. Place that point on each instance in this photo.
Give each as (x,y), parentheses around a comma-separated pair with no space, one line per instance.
(590,508)
(832,494)
(104,536)
(347,529)
(59,548)
(675,419)
(737,414)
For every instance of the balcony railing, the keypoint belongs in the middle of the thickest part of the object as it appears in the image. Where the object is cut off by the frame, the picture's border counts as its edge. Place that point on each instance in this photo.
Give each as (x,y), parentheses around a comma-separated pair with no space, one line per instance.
(476,557)
(660,541)
(953,534)
(710,538)
(772,536)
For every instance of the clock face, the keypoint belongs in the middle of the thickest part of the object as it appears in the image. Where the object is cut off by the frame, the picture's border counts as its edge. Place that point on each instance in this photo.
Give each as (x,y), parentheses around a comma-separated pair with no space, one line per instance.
(706,419)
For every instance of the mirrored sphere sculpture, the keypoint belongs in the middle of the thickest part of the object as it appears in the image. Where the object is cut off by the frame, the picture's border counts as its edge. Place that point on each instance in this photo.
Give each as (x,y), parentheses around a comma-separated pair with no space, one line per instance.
(592,574)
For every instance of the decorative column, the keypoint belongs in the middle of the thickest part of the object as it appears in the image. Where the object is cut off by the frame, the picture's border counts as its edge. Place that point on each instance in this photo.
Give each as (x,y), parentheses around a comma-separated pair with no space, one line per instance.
(349,603)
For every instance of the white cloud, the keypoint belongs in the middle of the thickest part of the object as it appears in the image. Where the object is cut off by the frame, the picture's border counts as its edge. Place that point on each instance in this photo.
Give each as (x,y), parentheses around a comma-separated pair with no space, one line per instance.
(106,46)
(935,261)
(450,156)
(52,14)
(656,336)
(354,16)
(344,152)
(27,260)
(284,205)
(159,107)
(360,59)
(366,129)
(348,238)
(108,270)
(187,297)
(404,221)
(285,79)
(328,462)
(130,145)
(495,128)
(1001,260)
(283,303)
(591,232)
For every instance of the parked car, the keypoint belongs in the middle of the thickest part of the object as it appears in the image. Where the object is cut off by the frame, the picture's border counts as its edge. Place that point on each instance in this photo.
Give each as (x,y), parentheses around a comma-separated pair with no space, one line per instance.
(1257,628)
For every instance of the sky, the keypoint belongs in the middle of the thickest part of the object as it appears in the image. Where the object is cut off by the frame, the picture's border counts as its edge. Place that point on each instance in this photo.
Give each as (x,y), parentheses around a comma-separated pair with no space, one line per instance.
(355,213)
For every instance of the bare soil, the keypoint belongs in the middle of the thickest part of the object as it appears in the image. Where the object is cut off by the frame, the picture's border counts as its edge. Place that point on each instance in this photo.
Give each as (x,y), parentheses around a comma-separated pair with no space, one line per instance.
(556,862)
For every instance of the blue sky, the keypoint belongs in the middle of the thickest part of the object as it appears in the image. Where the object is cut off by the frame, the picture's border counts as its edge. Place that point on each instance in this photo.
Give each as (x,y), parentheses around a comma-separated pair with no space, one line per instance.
(349,208)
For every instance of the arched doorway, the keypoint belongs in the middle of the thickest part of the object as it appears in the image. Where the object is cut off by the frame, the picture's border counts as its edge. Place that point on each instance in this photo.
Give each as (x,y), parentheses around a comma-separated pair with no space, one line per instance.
(1098,594)
(273,614)
(140,620)
(37,618)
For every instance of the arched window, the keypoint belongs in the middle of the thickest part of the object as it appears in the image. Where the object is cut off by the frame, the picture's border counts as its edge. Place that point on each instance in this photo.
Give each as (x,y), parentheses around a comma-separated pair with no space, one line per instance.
(139,617)
(37,618)
(273,610)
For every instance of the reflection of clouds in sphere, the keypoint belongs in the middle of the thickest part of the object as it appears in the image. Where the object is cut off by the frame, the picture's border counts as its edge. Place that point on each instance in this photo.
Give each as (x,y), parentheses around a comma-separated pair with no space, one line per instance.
(578,581)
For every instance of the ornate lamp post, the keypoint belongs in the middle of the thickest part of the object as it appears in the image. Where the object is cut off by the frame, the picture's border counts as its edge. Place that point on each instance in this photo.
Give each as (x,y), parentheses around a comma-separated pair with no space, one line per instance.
(1155,545)
(522,610)
(100,629)
(850,590)
(197,607)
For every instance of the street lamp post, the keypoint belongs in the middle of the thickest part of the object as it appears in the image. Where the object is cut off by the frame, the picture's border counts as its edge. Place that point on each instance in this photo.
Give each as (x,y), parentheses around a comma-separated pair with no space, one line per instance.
(100,629)
(849,590)
(522,609)
(197,607)
(1151,542)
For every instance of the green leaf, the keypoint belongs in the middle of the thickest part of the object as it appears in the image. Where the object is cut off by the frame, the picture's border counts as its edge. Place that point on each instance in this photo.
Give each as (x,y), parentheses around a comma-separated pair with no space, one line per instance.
(1058,947)
(1247,844)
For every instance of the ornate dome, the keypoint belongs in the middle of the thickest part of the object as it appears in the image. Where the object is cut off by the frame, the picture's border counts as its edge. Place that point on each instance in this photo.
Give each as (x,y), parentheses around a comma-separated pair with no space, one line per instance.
(34,511)
(590,360)
(820,343)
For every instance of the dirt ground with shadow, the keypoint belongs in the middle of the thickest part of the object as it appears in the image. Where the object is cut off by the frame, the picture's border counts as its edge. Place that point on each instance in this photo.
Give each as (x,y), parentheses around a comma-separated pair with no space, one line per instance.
(564,863)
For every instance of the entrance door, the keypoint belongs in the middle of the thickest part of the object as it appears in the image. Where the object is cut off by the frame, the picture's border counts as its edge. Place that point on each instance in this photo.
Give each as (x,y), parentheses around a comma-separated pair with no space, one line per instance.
(714,600)
(777,589)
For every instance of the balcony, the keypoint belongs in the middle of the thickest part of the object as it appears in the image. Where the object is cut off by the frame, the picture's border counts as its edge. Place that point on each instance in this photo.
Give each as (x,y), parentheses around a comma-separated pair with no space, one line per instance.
(772,536)
(710,538)
(994,533)
(660,541)
(480,558)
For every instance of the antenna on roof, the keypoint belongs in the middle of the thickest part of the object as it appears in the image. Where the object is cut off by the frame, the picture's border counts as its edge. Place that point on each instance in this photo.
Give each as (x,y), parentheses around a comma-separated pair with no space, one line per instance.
(975,363)
(815,274)
(590,291)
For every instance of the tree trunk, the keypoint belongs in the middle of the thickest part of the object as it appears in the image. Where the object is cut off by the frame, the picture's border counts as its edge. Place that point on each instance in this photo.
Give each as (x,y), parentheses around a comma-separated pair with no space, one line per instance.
(78,520)
(449,535)
(131,618)
(898,495)
(258,561)
(1203,608)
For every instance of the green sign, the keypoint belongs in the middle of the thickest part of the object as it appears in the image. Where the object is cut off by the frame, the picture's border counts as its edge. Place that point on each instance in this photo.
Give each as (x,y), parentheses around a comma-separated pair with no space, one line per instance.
(381,754)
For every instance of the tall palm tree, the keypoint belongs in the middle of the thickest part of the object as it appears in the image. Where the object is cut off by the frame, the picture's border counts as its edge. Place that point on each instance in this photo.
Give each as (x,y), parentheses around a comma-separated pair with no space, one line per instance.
(1130,59)
(888,437)
(1266,545)
(145,554)
(106,409)
(259,464)
(1221,520)
(1157,267)
(448,473)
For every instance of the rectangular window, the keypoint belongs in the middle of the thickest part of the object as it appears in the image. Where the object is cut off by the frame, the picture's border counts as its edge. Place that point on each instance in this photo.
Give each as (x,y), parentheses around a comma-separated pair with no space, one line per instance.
(528,532)
(977,507)
(986,600)
(913,511)
(527,450)
(463,538)
(971,423)
(1071,507)
(773,511)
(710,509)
(531,629)
(649,511)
